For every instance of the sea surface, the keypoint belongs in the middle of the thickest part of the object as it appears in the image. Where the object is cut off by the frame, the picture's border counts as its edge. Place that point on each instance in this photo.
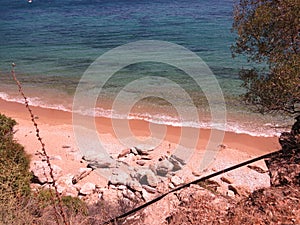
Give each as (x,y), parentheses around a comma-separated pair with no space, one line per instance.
(54,42)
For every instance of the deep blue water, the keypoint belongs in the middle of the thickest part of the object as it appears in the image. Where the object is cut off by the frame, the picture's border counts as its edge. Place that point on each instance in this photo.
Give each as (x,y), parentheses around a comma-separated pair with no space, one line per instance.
(64,37)
(54,42)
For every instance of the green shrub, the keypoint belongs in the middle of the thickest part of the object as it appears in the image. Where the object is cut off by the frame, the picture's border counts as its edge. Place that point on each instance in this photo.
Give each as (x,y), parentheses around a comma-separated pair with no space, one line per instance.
(14,162)
(14,175)
(75,205)
(6,126)
(18,205)
(44,197)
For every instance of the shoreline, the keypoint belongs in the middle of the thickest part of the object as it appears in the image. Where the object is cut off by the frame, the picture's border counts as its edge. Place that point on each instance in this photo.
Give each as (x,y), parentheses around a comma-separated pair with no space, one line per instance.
(254,145)
(240,122)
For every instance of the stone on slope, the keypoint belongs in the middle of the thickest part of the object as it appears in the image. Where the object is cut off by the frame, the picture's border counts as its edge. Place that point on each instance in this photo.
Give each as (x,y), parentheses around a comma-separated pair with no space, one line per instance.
(177,165)
(82,173)
(124,153)
(176,180)
(71,191)
(99,162)
(41,172)
(87,188)
(164,167)
(65,180)
(55,157)
(239,190)
(134,185)
(227,180)
(134,151)
(119,177)
(147,177)
(149,189)
(128,194)
(140,162)
(196,173)
(146,196)
(177,158)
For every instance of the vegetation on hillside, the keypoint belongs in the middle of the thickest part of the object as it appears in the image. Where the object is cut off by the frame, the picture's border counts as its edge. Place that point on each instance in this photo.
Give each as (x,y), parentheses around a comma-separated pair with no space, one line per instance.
(268,34)
(14,166)
(18,204)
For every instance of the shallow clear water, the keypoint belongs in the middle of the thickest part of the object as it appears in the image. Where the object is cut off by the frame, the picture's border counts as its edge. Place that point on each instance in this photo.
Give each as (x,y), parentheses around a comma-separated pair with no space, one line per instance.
(53,42)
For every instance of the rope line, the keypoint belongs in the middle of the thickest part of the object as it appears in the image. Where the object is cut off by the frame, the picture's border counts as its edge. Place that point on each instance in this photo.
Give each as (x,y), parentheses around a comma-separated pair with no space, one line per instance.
(192,182)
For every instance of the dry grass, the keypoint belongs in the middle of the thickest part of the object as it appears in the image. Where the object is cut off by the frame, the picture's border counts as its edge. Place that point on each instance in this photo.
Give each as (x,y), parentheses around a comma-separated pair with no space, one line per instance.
(275,205)
(37,209)
(200,207)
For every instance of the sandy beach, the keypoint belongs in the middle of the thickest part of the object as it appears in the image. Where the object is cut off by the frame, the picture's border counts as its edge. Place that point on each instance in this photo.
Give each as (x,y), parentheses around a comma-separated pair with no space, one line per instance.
(57,133)
(62,121)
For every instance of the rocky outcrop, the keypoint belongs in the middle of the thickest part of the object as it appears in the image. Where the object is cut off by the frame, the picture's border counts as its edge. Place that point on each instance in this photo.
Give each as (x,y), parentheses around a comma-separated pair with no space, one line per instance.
(66,184)
(279,203)
(284,167)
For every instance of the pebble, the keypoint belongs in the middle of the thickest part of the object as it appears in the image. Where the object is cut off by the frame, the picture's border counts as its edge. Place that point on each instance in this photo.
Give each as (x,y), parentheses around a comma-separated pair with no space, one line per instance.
(227,180)
(171,185)
(124,153)
(140,162)
(55,157)
(149,189)
(230,193)
(196,173)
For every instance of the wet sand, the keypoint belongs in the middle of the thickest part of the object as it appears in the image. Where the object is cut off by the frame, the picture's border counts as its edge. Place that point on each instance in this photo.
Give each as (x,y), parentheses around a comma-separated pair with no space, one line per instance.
(251,144)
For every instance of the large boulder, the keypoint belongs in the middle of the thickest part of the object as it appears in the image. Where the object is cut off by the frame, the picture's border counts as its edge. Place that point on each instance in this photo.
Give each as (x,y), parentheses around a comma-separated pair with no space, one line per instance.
(164,167)
(99,162)
(119,177)
(146,177)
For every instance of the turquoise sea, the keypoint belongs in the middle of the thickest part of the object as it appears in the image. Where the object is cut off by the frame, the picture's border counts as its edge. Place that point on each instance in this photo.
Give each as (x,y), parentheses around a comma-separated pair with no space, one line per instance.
(53,42)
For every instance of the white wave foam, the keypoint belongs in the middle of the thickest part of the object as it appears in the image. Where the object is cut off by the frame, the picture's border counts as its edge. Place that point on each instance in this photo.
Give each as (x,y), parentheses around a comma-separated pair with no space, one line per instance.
(35,101)
(239,128)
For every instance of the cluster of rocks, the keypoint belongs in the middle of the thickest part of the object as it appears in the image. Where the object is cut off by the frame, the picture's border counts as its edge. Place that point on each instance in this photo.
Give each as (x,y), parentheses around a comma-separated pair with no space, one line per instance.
(141,157)
(65,184)
(133,173)
(135,170)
